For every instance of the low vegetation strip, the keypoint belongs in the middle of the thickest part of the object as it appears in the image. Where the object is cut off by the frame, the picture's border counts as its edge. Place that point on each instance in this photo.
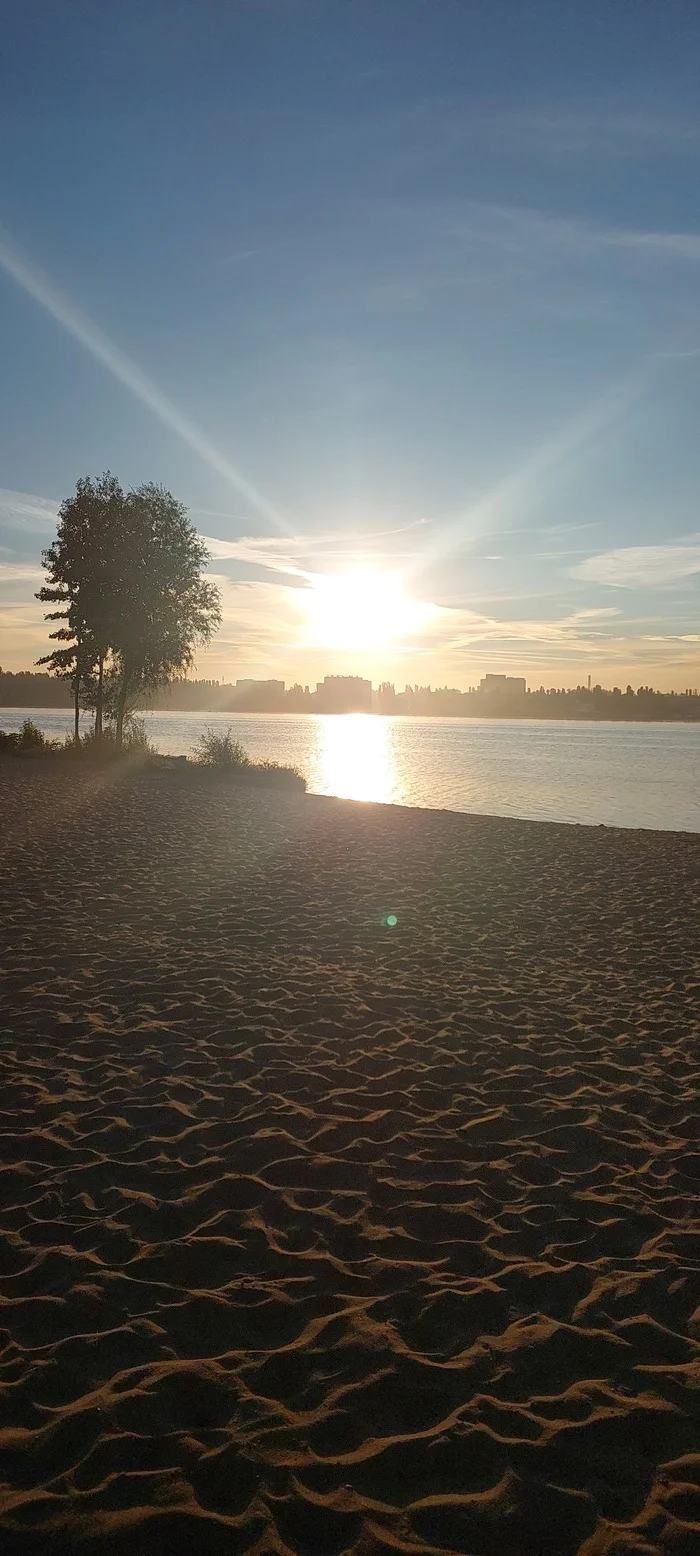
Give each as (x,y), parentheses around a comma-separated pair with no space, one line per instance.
(214,754)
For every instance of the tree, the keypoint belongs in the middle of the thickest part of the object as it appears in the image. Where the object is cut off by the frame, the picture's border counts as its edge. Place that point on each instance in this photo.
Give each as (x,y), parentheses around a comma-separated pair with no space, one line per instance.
(162,607)
(66,662)
(126,571)
(82,565)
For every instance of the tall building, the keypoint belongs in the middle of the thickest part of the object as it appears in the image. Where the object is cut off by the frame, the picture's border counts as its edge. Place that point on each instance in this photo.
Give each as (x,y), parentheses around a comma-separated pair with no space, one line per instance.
(514,685)
(259,696)
(344,694)
(256,686)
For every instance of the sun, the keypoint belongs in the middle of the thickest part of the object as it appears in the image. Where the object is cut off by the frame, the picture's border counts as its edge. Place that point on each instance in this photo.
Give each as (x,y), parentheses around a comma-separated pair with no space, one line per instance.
(361,610)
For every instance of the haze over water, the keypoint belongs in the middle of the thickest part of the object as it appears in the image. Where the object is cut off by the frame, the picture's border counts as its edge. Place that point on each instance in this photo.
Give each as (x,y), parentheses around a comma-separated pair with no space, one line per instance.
(625,775)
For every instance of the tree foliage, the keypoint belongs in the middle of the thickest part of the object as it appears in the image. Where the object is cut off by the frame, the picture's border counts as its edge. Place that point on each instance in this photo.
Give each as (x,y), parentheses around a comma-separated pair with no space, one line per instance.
(125,571)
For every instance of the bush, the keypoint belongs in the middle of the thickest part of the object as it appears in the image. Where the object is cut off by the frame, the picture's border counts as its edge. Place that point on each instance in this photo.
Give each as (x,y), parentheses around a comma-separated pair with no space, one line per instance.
(135,741)
(277,768)
(31,738)
(91,745)
(222,751)
(28,740)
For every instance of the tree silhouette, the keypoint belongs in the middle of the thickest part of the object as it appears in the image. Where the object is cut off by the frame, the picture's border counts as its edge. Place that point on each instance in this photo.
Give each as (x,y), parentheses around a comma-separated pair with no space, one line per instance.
(162,606)
(81,567)
(126,570)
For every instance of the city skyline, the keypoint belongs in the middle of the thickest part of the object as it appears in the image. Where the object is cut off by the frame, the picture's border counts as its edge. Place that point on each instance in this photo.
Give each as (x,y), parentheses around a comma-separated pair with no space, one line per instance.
(497,696)
(372,299)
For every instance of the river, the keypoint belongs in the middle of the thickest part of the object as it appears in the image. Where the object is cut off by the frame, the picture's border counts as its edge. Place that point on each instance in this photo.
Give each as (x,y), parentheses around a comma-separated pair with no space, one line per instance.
(629,775)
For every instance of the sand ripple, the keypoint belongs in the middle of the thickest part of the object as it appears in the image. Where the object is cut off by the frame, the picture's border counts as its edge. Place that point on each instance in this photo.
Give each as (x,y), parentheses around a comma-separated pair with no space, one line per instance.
(323,1236)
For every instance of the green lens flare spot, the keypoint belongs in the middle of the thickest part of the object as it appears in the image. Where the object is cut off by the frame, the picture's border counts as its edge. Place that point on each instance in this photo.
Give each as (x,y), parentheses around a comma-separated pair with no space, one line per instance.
(392,920)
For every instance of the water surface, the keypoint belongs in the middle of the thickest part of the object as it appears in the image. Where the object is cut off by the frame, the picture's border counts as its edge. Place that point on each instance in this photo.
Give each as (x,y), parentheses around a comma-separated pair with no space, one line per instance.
(628,775)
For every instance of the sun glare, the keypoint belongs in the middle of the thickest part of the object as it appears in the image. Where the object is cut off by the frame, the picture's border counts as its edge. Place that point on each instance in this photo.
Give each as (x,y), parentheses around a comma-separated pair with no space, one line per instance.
(364,609)
(356,759)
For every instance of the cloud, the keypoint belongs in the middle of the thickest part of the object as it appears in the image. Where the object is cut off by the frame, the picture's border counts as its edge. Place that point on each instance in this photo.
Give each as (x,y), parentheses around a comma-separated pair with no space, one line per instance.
(557,263)
(286,554)
(594,128)
(24,510)
(20,572)
(261,633)
(642,567)
(259,625)
(556,129)
(578,629)
(261,630)
(259,551)
(529,231)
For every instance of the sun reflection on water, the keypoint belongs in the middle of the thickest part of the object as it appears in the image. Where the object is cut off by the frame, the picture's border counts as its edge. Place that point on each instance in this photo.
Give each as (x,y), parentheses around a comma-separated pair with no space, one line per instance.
(356,758)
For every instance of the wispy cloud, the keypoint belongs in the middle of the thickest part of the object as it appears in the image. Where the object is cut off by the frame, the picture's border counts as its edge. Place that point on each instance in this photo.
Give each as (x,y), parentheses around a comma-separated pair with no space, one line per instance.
(258,551)
(552,129)
(582,628)
(528,231)
(642,567)
(19,572)
(23,510)
(261,628)
(672,637)
(315,551)
(554,263)
(561,130)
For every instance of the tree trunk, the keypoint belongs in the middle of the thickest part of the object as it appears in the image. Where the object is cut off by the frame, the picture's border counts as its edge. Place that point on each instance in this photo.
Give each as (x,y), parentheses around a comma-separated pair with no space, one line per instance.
(121,712)
(76,688)
(99,697)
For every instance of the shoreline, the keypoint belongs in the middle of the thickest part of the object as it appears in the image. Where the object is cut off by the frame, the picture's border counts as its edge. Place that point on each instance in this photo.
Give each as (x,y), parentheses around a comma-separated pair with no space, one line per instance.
(165,765)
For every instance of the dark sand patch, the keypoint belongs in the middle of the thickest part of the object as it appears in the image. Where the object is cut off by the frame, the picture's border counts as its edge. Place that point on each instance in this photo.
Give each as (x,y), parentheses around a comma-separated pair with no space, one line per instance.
(322,1236)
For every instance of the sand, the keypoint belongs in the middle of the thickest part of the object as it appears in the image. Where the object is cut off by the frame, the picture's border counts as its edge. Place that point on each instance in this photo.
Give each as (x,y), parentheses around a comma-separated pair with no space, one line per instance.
(322,1235)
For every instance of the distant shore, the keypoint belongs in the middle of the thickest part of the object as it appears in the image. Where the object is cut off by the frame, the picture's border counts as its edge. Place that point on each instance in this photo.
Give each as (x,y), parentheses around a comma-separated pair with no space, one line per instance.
(351,694)
(350,1179)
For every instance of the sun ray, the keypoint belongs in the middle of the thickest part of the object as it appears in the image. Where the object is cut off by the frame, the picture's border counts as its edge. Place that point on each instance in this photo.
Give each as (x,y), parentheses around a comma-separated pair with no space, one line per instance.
(65,312)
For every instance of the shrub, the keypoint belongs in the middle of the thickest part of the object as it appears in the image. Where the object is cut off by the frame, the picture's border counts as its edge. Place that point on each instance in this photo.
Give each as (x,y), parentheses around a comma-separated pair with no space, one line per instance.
(91,745)
(220,750)
(27,741)
(135,741)
(278,768)
(31,738)
(224,754)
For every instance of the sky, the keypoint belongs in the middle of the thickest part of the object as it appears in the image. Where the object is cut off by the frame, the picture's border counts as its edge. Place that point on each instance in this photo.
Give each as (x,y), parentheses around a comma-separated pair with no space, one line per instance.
(403,288)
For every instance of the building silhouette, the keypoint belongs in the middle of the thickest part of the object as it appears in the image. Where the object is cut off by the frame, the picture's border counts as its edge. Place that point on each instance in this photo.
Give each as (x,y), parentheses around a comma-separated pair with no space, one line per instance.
(259,696)
(343,694)
(495,685)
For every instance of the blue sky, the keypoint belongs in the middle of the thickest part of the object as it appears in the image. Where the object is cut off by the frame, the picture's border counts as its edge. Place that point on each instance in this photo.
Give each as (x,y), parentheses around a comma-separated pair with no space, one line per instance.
(405,283)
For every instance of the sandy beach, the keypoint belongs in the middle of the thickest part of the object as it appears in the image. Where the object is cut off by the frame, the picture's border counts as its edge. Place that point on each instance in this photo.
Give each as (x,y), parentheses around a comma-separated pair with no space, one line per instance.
(321,1234)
